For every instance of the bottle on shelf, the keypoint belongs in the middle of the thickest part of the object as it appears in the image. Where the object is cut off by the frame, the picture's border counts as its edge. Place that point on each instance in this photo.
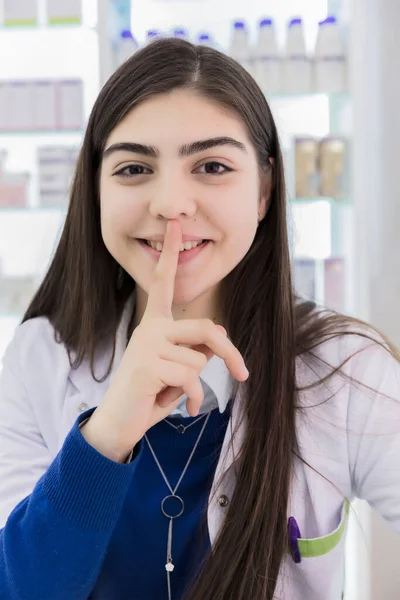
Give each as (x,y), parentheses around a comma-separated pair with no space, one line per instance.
(180,33)
(60,12)
(267,66)
(240,47)
(330,65)
(152,35)
(205,39)
(297,66)
(20,13)
(127,46)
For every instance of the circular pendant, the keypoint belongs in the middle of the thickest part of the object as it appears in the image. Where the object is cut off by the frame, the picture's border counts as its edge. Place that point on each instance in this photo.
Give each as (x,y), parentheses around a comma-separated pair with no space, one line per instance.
(172,506)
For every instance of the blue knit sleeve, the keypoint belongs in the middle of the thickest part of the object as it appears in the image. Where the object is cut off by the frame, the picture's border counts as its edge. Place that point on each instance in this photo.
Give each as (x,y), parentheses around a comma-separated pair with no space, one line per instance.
(54,542)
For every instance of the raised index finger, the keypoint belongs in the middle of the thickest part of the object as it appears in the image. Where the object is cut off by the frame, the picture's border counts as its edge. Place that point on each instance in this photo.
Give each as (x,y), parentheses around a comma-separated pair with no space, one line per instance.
(161,292)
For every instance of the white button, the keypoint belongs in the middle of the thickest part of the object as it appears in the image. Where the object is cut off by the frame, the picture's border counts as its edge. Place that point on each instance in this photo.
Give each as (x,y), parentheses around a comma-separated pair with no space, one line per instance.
(82,407)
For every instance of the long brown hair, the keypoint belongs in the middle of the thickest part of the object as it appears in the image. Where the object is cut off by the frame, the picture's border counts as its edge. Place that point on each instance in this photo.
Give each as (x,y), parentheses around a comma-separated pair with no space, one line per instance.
(85,290)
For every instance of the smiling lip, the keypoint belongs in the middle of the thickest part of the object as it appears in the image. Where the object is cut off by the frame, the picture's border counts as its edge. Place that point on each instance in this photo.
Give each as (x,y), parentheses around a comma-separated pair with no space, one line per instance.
(185,256)
(185,238)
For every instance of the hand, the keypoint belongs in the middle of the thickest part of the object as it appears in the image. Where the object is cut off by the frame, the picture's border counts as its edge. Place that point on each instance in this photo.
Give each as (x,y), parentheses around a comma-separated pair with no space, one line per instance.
(162,362)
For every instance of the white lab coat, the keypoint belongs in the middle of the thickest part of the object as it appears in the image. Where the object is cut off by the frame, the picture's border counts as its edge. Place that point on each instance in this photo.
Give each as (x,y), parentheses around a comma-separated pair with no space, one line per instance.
(352,440)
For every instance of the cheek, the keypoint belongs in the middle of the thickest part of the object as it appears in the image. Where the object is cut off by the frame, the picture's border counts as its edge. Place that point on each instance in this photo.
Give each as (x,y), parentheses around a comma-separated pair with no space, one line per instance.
(118,212)
(238,210)
(240,220)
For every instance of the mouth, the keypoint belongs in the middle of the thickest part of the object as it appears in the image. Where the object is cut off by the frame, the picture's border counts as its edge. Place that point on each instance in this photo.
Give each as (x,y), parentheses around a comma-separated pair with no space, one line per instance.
(188,251)
(185,247)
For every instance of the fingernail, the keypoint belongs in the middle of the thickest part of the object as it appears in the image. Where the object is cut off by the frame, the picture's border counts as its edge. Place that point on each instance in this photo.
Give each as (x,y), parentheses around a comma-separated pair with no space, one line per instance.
(246,371)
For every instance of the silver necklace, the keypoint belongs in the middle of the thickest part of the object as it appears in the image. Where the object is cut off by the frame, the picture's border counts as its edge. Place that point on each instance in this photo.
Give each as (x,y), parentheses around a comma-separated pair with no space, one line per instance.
(182,428)
(169,567)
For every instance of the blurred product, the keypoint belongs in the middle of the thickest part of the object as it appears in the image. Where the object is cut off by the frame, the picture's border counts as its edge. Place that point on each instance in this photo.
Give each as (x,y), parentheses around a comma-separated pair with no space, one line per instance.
(41,105)
(153,34)
(127,46)
(332,167)
(14,189)
(56,167)
(70,104)
(297,71)
(267,67)
(330,66)
(292,71)
(335,284)
(20,12)
(205,39)
(63,12)
(44,106)
(18,106)
(240,47)
(306,167)
(304,272)
(180,33)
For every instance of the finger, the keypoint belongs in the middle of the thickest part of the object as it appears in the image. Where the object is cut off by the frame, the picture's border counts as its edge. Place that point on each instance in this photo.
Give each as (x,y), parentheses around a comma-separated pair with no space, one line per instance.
(224,331)
(203,331)
(161,294)
(195,358)
(176,376)
(172,397)
(169,395)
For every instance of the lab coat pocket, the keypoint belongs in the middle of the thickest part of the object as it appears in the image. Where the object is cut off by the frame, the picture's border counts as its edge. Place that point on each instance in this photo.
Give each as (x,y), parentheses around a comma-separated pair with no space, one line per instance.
(321,566)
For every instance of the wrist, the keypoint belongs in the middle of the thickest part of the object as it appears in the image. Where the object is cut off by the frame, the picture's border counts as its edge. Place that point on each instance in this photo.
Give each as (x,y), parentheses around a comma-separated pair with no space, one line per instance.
(102,443)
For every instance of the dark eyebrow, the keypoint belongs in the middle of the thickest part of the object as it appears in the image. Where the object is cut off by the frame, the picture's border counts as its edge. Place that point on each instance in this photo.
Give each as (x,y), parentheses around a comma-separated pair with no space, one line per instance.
(200,146)
(132,147)
(186,150)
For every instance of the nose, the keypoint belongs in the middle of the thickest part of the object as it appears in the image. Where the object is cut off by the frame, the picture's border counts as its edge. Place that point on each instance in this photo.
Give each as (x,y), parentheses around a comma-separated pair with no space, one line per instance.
(171,198)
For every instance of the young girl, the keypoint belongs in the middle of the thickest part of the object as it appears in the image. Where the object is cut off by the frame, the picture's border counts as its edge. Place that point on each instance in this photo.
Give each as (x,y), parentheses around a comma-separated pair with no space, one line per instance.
(139,458)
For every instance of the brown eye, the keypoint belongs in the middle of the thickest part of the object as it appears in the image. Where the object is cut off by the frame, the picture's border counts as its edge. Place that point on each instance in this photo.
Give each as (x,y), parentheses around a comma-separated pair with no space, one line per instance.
(214,168)
(133,171)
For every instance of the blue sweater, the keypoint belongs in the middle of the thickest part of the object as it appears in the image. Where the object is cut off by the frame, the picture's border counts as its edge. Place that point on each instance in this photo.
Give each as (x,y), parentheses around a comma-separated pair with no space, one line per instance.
(93,528)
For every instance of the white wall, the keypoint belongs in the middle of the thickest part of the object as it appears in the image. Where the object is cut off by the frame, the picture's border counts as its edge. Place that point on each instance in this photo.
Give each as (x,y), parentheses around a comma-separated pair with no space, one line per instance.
(377,196)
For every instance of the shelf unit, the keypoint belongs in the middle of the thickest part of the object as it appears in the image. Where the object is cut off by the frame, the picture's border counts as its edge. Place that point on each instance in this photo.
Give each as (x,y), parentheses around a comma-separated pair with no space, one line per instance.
(38,228)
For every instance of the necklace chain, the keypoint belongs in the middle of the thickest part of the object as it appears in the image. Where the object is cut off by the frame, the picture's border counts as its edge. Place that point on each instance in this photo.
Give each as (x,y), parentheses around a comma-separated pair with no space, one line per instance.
(170,566)
(182,428)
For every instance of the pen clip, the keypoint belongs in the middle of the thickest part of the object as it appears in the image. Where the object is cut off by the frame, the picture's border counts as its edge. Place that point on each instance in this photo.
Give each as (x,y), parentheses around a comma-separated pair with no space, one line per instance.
(294,535)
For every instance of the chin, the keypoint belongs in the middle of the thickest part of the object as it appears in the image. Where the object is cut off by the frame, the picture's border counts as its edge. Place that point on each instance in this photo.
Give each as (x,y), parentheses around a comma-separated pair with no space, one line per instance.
(186,297)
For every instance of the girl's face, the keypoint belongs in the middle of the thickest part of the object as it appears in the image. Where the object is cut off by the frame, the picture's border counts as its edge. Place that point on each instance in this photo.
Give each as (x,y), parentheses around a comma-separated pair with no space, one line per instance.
(181,156)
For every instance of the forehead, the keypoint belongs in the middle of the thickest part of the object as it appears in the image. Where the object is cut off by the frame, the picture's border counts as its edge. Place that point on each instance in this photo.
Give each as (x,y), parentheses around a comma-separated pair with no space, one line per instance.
(176,118)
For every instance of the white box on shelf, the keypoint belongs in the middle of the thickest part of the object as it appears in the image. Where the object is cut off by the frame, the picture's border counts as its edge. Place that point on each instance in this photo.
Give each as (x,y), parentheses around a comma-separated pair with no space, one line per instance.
(44,105)
(20,12)
(3,105)
(69,100)
(304,274)
(53,198)
(64,12)
(19,110)
(54,173)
